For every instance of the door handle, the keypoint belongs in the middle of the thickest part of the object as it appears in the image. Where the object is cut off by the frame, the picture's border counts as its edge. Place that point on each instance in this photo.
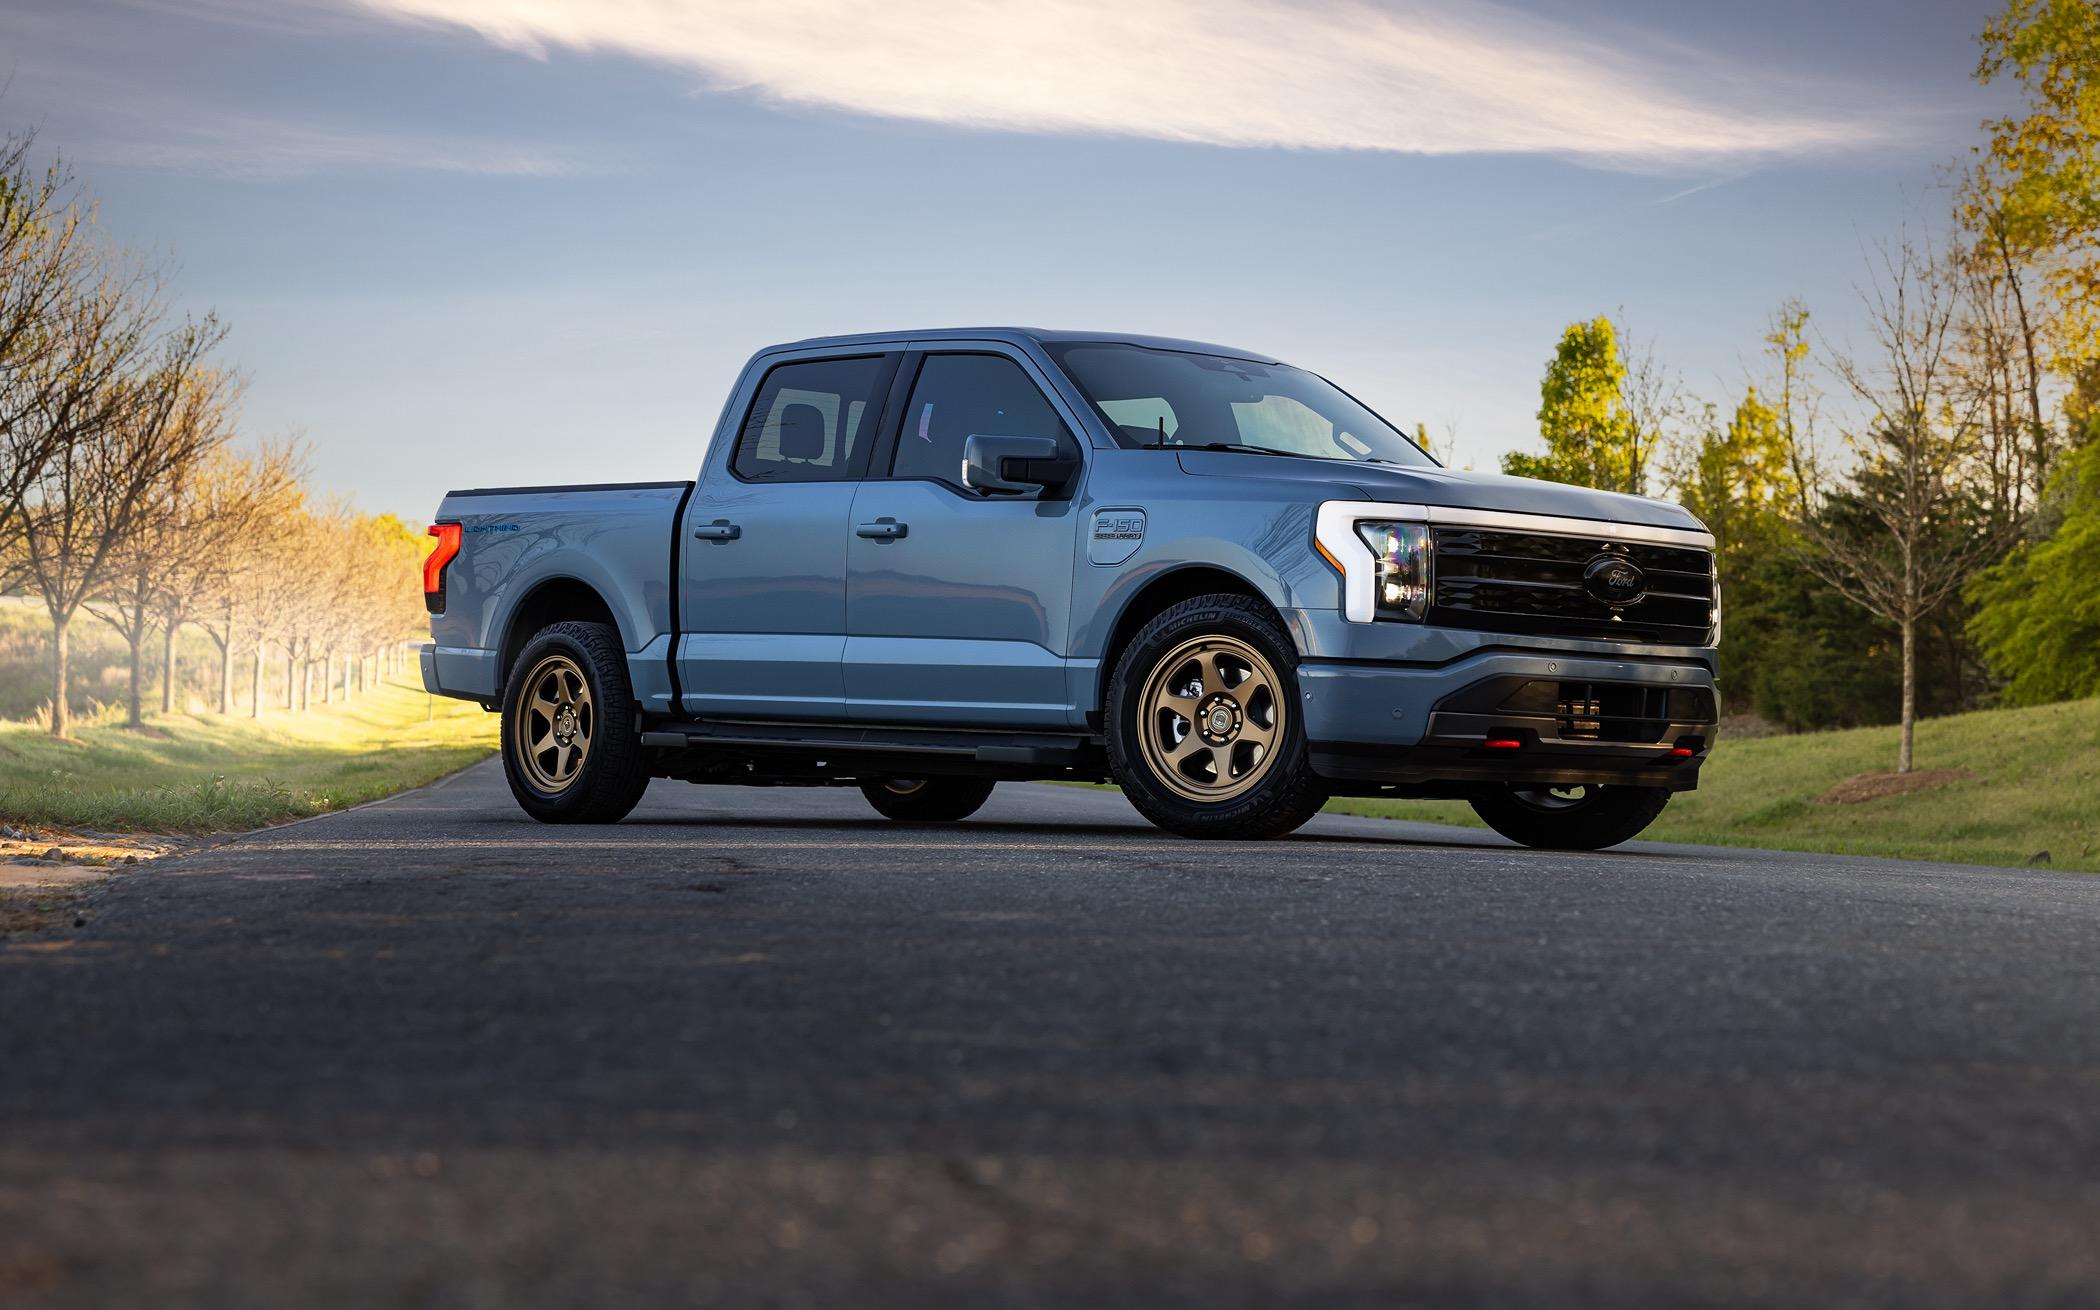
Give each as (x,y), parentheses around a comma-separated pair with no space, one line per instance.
(719,530)
(883,529)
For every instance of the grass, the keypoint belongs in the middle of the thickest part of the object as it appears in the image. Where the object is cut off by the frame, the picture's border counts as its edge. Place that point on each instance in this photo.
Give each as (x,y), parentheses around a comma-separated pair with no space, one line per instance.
(2034,786)
(197,773)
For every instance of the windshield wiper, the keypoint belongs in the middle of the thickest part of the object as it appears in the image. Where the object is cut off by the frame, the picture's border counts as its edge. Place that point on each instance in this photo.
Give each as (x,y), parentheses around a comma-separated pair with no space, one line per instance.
(1237,448)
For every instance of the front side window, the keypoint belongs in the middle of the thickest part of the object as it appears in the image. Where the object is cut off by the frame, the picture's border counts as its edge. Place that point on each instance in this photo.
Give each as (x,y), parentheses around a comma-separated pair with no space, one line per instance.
(957,397)
(811,420)
(1221,401)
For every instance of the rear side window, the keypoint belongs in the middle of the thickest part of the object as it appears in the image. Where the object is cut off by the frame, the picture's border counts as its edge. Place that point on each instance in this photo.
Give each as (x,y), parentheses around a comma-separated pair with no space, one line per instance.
(960,396)
(812,420)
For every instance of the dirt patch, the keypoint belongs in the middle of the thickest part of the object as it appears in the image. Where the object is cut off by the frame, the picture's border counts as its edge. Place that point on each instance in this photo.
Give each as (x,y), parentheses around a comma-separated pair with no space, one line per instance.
(55,857)
(1874,786)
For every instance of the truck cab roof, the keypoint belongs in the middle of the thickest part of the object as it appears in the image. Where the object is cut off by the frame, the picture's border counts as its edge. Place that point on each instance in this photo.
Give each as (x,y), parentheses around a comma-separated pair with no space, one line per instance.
(1021,336)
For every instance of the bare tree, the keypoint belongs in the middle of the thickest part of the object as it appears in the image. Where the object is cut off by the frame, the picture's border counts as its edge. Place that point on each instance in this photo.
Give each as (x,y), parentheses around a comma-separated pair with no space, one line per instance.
(94,493)
(1655,406)
(247,500)
(176,532)
(1911,556)
(2001,362)
(50,381)
(1796,400)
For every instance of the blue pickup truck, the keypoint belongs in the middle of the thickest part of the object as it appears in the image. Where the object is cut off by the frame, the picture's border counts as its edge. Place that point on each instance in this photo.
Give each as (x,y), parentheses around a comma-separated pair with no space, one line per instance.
(921,563)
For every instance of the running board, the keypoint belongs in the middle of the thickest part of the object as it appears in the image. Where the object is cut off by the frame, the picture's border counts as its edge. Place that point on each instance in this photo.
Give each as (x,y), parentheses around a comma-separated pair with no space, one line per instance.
(1054,751)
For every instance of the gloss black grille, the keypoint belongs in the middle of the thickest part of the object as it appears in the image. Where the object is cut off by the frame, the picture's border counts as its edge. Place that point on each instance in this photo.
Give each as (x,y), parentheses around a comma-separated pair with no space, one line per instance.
(1527,582)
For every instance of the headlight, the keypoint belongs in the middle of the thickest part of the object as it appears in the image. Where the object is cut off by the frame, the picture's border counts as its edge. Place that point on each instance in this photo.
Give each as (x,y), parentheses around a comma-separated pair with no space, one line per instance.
(1385,560)
(1400,587)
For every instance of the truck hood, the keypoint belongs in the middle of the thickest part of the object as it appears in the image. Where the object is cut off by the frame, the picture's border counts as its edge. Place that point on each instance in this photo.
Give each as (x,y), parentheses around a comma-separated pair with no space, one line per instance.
(1439,486)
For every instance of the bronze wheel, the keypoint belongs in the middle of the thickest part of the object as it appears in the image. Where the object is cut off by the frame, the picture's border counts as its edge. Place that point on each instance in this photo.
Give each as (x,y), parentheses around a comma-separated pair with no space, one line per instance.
(1212,718)
(1203,728)
(555,720)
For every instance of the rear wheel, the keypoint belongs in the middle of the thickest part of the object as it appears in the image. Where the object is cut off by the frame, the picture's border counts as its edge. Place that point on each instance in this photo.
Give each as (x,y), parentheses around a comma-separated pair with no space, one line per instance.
(1570,818)
(927,800)
(1203,729)
(570,750)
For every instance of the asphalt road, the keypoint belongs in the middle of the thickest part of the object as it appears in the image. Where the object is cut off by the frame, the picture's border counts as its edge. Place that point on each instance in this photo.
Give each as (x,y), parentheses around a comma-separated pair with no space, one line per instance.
(763,1048)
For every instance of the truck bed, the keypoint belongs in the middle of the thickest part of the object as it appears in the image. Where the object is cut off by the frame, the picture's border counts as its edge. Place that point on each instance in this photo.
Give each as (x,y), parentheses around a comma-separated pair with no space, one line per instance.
(618,539)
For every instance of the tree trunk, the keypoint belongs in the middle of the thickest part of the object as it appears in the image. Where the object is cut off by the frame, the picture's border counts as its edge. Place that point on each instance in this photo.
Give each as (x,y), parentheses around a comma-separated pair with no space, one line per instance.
(327,676)
(135,638)
(59,720)
(255,680)
(2040,433)
(226,674)
(1910,693)
(291,679)
(167,665)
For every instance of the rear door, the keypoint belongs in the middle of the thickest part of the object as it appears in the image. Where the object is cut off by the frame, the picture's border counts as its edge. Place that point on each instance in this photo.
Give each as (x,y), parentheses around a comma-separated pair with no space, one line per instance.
(762,606)
(959,605)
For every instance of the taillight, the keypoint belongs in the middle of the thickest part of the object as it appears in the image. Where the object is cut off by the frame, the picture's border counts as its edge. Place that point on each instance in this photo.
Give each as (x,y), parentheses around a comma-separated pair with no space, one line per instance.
(434,565)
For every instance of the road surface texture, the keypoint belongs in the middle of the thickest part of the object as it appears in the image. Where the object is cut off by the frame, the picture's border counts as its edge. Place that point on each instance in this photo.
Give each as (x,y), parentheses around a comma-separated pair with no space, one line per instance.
(763,1048)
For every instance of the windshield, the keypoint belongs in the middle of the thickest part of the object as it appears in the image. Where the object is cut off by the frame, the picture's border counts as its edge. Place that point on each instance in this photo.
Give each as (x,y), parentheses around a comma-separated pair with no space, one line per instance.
(1219,401)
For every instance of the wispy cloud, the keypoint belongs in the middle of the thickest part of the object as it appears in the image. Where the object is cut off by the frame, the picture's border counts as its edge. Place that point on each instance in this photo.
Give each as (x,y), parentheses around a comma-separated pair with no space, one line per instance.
(1453,79)
(113,77)
(256,149)
(1697,188)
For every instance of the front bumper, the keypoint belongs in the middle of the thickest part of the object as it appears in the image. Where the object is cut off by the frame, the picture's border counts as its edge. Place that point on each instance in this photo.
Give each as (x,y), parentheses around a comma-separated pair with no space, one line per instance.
(1554,720)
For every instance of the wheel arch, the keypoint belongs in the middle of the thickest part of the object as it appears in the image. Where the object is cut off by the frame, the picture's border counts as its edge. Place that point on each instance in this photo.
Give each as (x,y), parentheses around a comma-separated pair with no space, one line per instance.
(558,599)
(1157,595)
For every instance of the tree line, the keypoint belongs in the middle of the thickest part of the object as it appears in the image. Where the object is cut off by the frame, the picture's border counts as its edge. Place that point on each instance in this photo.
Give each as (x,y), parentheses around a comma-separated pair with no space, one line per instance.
(123,495)
(1907,524)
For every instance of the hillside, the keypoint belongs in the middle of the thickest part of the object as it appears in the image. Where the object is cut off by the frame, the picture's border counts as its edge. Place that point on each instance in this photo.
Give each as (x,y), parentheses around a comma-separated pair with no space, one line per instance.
(2032,784)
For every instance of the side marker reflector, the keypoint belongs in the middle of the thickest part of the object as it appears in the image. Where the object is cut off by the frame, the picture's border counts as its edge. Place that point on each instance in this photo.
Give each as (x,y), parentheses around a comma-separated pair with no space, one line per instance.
(1503,744)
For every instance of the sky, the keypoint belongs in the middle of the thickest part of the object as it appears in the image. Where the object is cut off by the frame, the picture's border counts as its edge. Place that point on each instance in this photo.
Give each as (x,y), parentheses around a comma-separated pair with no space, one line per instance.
(488,242)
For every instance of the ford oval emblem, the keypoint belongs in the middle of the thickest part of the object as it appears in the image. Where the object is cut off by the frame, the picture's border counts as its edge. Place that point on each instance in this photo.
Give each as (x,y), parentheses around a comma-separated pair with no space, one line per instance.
(1615,580)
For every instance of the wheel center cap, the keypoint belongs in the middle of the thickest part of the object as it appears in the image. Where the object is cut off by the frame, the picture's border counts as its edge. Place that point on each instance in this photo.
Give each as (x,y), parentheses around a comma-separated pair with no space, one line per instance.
(565,724)
(1218,719)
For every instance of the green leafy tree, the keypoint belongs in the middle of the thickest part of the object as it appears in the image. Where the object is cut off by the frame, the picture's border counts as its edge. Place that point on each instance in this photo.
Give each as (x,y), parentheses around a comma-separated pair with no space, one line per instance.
(1600,412)
(1741,483)
(2035,194)
(2038,612)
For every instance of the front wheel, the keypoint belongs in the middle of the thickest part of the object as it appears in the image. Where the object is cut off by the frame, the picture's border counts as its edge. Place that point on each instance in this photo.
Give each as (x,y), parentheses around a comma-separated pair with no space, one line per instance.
(1570,818)
(570,749)
(927,800)
(1203,726)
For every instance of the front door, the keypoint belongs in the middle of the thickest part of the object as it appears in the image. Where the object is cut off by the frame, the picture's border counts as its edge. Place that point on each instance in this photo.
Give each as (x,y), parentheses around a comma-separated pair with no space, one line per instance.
(762,611)
(958,605)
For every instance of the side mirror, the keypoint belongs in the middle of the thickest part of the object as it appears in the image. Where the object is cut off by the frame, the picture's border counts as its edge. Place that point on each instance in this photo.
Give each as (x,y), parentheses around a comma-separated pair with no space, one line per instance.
(1012,465)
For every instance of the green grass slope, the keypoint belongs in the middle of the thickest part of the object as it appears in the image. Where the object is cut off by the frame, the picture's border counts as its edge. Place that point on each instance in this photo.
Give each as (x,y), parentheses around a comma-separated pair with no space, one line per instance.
(2034,786)
(207,773)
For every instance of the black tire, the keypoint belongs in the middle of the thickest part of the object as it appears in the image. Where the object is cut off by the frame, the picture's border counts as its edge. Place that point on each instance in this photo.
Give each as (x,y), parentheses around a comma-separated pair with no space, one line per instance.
(607,780)
(1547,821)
(1281,791)
(927,800)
